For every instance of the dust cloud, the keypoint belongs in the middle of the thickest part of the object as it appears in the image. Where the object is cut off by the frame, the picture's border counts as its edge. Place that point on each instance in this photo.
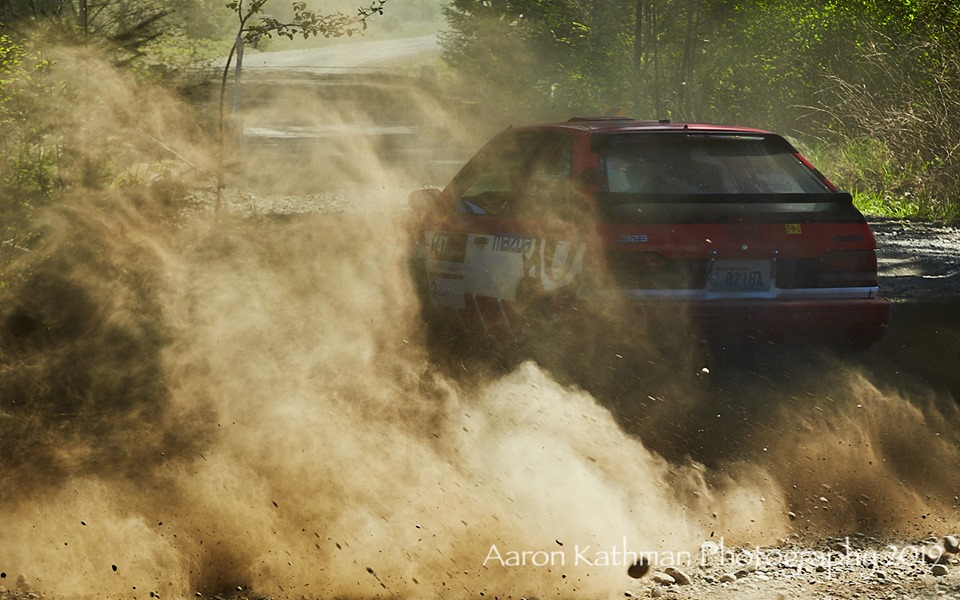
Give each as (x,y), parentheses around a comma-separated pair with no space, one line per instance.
(857,456)
(271,423)
(234,403)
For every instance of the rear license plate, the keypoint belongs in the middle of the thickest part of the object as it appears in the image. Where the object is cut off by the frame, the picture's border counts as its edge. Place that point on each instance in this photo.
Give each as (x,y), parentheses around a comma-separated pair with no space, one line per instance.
(740,276)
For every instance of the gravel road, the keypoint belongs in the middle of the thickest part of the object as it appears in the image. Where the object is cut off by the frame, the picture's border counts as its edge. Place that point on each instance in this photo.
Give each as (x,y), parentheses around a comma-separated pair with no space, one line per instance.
(839,568)
(345,56)
(918,261)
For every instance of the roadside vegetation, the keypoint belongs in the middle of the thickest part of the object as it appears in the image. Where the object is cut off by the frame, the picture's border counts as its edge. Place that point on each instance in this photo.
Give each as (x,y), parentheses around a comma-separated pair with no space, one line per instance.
(121,94)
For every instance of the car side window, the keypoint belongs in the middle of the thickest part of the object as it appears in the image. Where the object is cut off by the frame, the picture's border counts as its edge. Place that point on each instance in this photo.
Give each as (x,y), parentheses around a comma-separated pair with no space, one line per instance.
(547,189)
(518,175)
(496,177)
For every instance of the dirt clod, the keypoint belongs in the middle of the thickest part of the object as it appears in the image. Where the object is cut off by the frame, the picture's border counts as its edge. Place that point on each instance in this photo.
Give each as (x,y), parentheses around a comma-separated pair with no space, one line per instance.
(639,568)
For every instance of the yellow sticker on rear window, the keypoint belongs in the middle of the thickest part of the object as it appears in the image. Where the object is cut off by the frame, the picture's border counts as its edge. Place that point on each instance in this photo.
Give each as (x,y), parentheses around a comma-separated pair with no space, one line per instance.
(793,228)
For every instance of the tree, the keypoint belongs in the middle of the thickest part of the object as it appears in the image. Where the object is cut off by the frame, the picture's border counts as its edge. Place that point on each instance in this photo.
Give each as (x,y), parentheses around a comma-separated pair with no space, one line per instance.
(125,26)
(583,56)
(549,57)
(253,25)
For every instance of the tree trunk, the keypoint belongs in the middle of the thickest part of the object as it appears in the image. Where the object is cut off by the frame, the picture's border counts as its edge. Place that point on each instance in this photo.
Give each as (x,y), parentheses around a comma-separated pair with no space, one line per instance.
(685,93)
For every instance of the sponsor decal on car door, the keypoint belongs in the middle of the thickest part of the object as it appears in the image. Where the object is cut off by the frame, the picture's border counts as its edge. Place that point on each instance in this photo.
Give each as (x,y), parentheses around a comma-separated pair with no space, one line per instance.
(496,265)
(478,271)
(445,268)
(554,264)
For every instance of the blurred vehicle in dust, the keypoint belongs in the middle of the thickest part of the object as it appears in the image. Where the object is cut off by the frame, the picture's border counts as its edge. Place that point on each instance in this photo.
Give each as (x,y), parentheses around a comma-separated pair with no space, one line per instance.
(724,232)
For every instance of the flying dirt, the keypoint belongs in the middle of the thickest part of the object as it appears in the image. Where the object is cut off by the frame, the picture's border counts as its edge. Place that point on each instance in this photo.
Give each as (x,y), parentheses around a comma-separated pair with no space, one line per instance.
(245,404)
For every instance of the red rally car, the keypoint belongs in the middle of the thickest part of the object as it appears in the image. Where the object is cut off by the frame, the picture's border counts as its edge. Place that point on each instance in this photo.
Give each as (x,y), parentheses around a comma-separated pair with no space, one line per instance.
(727,228)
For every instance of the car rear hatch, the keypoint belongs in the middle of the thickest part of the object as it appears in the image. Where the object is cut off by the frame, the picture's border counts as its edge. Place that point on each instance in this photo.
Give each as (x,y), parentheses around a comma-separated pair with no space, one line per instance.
(715,246)
(729,219)
(721,215)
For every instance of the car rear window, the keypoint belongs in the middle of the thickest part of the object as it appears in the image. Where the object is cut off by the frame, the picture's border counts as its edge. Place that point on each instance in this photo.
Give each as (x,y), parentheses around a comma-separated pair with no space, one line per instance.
(706,164)
(712,177)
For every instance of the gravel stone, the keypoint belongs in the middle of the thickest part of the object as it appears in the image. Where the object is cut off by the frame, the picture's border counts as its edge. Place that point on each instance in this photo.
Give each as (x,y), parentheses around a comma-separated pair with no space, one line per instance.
(842,547)
(935,556)
(679,576)
(663,578)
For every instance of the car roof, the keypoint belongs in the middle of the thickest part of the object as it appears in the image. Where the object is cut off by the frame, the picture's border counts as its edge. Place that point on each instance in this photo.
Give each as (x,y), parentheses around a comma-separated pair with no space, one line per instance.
(624,125)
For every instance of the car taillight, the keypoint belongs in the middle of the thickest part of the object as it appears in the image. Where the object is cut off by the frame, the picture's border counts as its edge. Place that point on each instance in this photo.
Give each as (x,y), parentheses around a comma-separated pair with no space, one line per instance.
(848,268)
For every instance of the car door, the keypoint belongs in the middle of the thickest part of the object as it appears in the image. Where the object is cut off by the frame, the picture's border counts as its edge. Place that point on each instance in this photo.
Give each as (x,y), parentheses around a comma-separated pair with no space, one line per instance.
(505,236)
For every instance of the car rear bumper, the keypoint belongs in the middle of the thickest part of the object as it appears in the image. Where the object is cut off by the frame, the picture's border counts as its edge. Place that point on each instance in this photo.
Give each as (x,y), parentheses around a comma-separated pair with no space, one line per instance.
(858,321)
(854,322)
